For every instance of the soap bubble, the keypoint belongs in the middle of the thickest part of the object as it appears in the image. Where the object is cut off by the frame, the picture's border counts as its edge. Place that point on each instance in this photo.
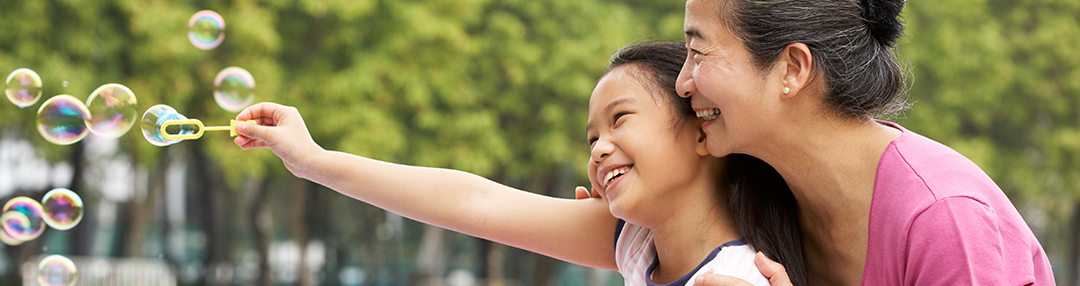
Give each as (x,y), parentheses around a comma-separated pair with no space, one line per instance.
(206,29)
(27,226)
(56,270)
(63,208)
(23,87)
(234,89)
(112,110)
(155,117)
(16,220)
(62,120)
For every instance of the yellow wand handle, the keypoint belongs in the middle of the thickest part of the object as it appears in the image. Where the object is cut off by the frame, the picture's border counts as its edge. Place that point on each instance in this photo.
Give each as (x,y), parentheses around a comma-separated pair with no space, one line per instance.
(197,123)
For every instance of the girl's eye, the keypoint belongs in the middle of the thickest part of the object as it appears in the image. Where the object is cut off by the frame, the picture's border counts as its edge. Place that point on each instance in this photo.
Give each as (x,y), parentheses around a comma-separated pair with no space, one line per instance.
(619,115)
(592,140)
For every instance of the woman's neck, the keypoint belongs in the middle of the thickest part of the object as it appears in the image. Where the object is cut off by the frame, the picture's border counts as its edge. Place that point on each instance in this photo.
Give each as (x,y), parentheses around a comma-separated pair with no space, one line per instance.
(687,235)
(830,165)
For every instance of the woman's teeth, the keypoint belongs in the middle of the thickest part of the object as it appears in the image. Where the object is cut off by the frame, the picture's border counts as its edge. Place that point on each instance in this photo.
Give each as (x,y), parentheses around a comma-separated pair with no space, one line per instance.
(709,114)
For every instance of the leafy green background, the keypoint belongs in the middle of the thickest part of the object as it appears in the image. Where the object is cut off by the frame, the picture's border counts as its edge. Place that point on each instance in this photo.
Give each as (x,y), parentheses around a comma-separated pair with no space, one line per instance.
(497,88)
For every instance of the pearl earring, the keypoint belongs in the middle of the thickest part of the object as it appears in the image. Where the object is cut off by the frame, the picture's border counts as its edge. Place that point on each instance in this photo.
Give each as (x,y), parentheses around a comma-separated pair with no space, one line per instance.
(786,90)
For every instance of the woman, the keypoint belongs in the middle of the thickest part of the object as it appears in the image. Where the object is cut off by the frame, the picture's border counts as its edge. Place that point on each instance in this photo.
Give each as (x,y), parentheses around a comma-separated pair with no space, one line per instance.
(797,84)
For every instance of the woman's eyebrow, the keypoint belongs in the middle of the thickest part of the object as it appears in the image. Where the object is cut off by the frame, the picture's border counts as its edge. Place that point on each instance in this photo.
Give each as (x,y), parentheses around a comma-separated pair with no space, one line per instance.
(693,33)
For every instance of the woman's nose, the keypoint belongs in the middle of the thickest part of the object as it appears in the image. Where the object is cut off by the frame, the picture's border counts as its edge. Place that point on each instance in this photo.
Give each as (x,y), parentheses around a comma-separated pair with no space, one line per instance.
(684,85)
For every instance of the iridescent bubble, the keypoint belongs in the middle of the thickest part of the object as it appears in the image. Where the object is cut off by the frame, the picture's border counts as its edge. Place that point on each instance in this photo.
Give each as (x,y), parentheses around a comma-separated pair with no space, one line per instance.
(23,87)
(206,29)
(28,226)
(112,110)
(156,116)
(56,270)
(62,120)
(63,208)
(234,89)
(16,220)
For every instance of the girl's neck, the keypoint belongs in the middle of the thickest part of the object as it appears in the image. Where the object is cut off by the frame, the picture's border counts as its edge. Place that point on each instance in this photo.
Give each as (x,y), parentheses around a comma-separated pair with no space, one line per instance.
(699,224)
(830,165)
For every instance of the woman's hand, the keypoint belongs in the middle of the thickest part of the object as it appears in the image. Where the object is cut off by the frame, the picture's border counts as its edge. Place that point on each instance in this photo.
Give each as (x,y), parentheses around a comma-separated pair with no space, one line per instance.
(281,129)
(775,272)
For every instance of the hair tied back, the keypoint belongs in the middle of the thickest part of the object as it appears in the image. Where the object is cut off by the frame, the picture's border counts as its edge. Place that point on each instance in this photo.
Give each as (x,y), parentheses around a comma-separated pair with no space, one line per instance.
(883,19)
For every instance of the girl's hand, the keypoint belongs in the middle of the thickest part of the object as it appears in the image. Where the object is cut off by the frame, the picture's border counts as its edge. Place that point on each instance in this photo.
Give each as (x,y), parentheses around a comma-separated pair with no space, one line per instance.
(775,272)
(281,129)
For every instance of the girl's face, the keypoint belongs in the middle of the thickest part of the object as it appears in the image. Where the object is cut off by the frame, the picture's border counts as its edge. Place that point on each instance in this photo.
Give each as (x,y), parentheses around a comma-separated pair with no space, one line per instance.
(640,151)
(720,78)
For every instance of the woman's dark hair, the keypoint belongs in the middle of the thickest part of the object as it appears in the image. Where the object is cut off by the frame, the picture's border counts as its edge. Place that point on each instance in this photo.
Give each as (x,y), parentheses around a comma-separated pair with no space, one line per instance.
(849,40)
(761,204)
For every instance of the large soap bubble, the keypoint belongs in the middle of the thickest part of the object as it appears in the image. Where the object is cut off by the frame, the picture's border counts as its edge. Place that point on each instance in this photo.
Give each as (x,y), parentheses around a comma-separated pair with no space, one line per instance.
(23,87)
(27,226)
(112,110)
(62,120)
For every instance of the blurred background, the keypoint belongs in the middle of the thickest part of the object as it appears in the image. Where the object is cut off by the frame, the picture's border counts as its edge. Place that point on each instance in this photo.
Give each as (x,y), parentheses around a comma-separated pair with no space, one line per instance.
(496,88)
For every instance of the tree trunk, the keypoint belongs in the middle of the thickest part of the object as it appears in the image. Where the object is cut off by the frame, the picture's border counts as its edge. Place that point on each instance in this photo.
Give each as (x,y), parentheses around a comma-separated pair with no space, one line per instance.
(496,258)
(81,238)
(141,212)
(299,228)
(217,248)
(260,222)
(431,258)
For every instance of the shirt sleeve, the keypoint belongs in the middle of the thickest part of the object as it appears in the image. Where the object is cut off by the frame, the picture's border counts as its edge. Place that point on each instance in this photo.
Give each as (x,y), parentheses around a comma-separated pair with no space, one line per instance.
(959,241)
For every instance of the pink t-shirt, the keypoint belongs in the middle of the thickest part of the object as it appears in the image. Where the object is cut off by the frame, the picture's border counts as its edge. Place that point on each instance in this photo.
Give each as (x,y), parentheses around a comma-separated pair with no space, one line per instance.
(937,219)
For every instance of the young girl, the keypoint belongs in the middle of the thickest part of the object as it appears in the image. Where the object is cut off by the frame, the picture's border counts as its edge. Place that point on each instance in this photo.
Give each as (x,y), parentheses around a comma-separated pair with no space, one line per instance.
(663,204)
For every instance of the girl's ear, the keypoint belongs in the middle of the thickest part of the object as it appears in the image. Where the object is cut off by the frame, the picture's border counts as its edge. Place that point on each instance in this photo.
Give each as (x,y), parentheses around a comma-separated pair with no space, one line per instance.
(701,148)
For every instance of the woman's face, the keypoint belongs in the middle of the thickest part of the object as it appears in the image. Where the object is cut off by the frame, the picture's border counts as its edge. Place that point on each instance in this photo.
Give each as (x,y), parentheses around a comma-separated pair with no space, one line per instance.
(720,78)
(639,154)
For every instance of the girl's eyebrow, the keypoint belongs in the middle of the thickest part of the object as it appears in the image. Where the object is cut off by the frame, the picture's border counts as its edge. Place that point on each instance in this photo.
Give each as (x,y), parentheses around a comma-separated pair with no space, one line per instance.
(614,103)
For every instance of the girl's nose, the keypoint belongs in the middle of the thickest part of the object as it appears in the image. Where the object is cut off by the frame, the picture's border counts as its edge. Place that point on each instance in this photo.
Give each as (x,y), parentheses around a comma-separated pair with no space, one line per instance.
(601,149)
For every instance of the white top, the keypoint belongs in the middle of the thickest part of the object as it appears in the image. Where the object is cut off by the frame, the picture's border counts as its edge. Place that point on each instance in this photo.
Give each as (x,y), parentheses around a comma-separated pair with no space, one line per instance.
(635,255)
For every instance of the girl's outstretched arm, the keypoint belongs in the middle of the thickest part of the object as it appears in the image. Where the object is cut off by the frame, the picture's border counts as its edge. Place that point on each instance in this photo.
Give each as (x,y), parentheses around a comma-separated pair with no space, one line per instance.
(577,231)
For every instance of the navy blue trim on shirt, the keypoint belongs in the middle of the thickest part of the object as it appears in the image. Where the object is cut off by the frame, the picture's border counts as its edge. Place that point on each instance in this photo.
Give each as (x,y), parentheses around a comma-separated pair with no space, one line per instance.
(686,278)
(618,229)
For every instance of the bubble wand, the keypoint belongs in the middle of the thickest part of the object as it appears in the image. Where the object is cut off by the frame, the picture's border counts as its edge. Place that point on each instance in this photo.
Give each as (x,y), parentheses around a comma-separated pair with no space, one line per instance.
(197,123)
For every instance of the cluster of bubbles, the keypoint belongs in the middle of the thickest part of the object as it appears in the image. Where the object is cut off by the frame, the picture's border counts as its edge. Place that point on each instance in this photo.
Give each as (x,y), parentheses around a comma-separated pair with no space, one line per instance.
(63,119)
(111,109)
(24,219)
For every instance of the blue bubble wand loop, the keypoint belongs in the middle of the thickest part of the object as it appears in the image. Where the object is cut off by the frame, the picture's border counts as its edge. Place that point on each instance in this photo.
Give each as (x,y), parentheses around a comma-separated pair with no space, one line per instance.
(201,128)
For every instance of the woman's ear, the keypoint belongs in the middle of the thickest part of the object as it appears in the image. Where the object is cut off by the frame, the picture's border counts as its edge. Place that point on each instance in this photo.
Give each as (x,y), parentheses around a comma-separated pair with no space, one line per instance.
(701,148)
(796,67)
